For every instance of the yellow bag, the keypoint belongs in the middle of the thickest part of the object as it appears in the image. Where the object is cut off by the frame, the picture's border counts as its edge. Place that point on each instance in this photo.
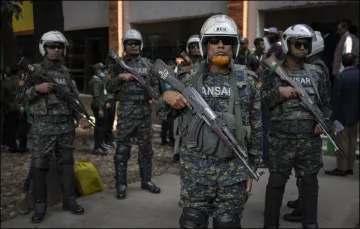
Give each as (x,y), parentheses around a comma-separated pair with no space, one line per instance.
(87,178)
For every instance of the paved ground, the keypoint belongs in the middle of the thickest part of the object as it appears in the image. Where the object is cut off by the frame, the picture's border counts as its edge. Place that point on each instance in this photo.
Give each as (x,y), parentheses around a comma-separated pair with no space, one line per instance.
(338,206)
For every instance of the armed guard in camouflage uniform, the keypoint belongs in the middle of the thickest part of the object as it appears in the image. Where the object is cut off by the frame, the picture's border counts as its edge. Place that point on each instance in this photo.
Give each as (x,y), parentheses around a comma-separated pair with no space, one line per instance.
(53,125)
(214,181)
(313,58)
(294,135)
(193,49)
(134,114)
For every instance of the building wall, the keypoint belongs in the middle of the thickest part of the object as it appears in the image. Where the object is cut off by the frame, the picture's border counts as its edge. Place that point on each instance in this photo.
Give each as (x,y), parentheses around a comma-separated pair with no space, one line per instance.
(84,15)
(151,11)
(286,13)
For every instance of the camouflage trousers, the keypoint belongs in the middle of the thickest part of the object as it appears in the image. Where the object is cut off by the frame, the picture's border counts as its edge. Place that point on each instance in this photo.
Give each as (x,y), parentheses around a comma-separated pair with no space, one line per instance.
(45,145)
(302,154)
(206,185)
(137,131)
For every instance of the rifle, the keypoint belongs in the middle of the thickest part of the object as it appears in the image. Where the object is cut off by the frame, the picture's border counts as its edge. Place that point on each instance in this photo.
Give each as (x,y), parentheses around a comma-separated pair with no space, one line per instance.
(29,68)
(203,112)
(186,57)
(114,57)
(273,63)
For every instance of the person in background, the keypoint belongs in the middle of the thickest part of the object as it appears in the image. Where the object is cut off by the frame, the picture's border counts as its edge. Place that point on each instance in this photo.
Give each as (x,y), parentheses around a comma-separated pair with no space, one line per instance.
(275,47)
(348,43)
(109,136)
(266,41)
(244,52)
(345,109)
(257,56)
(100,107)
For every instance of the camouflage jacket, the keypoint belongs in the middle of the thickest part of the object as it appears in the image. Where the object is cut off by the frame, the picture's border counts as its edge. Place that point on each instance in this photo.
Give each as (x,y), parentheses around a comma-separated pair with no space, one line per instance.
(281,110)
(216,90)
(98,92)
(52,114)
(133,98)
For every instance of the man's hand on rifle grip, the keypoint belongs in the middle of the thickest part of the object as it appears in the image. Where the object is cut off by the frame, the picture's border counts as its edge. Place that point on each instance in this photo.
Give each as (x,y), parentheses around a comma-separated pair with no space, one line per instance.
(84,123)
(44,87)
(126,76)
(289,92)
(176,99)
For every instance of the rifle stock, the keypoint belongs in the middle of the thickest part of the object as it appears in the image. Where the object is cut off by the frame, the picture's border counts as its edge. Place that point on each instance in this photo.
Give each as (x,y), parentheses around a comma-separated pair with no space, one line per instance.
(29,68)
(204,112)
(273,63)
(114,57)
(186,57)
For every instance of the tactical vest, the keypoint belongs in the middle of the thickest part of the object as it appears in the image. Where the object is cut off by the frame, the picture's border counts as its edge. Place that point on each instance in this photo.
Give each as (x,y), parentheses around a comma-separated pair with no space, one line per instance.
(294,117)
(227,107)
(50,104)
(132,90)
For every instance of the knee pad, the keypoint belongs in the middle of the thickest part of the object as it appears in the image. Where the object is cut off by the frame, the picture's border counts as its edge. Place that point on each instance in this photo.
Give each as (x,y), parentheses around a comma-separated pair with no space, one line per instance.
(309,181)
(277,180)
(41,163)
(193,218)
(146,151)
(122,153)
(227,220)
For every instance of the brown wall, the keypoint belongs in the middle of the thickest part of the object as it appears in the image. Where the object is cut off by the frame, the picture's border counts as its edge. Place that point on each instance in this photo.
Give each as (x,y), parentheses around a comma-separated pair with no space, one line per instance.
(235,11)
(113,25)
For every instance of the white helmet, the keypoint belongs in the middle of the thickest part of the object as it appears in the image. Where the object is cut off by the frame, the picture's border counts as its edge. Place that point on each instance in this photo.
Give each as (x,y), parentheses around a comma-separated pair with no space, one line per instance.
(296,32)
(132,34)
(50,37)
(193,39)
(317,44)
(219,25)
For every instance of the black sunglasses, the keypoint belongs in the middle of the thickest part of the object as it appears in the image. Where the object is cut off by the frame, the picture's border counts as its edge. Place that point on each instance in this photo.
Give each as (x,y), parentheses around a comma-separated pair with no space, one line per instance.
(54,46)
(298,44)
(192,46)
(133,43)
(224,40)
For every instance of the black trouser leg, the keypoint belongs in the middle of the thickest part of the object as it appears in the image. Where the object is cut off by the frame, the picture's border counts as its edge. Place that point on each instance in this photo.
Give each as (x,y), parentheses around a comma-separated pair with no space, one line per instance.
(41,167)
(145,164)
(11,124)
(164,129)
(171,131)
(309,200)
(227,220)
(23,131)
(122,155)
(66,169)
(100,129)
(273,199)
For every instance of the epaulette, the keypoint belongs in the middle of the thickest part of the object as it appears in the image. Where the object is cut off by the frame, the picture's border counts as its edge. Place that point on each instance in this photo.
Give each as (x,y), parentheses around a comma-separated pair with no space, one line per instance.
(253,74)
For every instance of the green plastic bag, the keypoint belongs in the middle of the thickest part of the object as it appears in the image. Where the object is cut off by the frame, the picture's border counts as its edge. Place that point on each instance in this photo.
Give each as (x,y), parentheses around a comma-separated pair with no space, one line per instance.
(87,178)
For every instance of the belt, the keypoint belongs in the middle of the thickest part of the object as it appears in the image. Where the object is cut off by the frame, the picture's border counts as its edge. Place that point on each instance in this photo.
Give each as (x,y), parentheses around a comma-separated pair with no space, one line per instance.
(53,118)
(293,126)
(134,102)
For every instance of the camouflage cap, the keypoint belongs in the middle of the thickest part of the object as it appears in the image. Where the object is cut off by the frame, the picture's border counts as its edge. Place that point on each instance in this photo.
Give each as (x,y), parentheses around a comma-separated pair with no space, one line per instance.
(99,66)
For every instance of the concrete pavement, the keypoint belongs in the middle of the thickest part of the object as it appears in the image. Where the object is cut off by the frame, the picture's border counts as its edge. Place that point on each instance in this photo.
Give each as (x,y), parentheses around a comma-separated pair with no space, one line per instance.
(338,206)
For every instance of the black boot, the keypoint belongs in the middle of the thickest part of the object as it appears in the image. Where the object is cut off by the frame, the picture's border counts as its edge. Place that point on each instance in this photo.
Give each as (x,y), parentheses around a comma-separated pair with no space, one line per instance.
(309,200)
(39,194)
(295,216)
(145,173)
(293,203)
(120,178)
(69,197)
(273,200)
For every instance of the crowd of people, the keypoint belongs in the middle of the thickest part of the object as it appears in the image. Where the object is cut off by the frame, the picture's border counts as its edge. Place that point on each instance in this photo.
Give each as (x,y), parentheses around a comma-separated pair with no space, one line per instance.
(262,112)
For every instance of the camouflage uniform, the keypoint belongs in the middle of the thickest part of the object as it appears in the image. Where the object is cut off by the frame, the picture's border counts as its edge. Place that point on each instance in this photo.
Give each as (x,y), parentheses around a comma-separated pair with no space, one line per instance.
(292,141)
(53,130)
(99,94)
(209,182)
(133,122)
